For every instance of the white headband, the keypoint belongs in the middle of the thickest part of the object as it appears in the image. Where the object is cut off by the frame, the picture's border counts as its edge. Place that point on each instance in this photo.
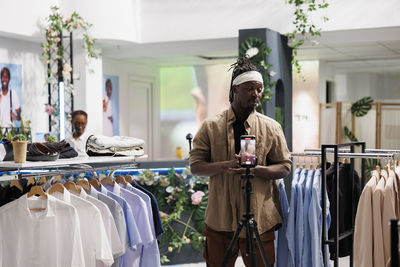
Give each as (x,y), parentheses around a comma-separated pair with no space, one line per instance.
(248,76)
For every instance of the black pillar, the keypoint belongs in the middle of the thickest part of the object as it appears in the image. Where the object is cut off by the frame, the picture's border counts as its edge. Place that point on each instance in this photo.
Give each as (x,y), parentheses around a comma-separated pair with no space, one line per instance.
(280,58)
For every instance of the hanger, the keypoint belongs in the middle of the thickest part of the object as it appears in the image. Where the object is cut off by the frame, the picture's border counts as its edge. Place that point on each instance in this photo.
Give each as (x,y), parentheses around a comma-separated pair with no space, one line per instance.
(121,180)
(85,184)
(56,188)
(57,178)
(129,178)
(37,190)
(17,184)
(107,181)
(42,180)
(71,186)
(31,180)
(95,183)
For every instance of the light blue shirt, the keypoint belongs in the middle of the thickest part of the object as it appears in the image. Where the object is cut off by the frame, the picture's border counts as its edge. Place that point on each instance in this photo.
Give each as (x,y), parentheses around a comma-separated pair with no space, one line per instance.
(306,257)
(291,222)
(315,222)
(133,232)
(282,242)
(299,244)
(140,214)
(119,219)
(151,254)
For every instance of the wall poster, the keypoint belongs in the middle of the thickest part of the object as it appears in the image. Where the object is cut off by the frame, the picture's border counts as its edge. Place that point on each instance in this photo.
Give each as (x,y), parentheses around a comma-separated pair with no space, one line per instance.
(11,95)
(110,105)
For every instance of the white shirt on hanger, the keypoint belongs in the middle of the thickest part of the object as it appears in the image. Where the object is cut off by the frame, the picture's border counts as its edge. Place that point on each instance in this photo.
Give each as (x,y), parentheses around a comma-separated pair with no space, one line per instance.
(50,237)
(94,239)
(109,224)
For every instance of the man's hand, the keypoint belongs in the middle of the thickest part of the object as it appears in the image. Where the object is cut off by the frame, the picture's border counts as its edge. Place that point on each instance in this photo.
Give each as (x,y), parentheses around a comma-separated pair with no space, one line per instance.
(213,168)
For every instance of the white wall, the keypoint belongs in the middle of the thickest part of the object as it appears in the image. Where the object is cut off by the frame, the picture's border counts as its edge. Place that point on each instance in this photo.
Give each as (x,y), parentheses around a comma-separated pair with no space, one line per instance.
(88,88)
(350,87)
(305,110)
(24,17)
(114,20)
(34,90)
(125,70)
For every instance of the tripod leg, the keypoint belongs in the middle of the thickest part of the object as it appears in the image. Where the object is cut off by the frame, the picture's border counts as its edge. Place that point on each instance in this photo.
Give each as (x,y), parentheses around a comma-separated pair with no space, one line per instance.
(252,251)
(260,246)
(234,240)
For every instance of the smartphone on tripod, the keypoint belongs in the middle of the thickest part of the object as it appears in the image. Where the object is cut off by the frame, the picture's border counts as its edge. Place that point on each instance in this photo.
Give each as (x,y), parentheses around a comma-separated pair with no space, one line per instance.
(248,158)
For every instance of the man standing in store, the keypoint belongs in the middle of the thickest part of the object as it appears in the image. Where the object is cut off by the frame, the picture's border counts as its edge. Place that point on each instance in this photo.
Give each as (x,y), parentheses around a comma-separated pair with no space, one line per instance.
(10,108)
(215,153)
(79,137)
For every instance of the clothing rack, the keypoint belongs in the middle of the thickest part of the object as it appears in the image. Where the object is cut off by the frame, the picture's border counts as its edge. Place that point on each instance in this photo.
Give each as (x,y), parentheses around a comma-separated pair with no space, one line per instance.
(65,169)
(339,152)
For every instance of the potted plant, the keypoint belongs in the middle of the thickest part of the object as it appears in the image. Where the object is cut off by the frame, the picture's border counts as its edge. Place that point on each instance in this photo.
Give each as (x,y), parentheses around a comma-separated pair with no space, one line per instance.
(51,139)
(20,144)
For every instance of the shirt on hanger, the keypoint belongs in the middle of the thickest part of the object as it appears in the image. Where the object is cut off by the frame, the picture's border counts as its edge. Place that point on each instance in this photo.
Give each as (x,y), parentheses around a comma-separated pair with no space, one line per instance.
(299,244)
(348,202)
(291,228)
(158,226)
(306,253)
(389,212)
(140,214)
(315,222)
(363,230)
(133,233)
(119,219)
(282,243)
(109,224)
(40,238)
(150,255)
(94,240)
(377,211)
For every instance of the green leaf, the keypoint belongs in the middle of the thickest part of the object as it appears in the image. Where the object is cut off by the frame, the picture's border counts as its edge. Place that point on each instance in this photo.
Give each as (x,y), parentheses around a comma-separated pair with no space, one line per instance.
(361,107)
(349,134)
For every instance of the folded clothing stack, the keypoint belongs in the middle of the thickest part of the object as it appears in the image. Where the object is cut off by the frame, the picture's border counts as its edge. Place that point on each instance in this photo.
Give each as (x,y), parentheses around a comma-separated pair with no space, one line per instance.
(100,145)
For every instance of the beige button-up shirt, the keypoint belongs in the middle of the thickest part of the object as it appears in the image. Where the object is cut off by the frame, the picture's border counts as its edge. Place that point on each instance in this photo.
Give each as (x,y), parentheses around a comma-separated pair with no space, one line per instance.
(215,142)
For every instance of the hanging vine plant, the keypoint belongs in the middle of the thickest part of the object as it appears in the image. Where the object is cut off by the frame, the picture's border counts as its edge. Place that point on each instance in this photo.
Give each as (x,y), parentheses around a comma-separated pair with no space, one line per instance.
(56,26)
(256,50)
(53,51)
(304,26)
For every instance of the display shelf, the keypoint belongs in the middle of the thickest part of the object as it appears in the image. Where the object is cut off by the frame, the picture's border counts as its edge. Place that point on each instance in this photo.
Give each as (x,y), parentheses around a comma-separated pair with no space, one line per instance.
(91,161)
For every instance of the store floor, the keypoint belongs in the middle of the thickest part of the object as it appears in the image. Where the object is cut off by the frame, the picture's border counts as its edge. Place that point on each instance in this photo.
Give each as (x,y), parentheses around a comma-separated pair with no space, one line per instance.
(239,263)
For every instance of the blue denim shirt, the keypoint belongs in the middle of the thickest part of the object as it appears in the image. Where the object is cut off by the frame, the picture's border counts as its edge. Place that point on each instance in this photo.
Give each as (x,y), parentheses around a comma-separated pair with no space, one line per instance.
(306,257)
(282,242)
(291,222)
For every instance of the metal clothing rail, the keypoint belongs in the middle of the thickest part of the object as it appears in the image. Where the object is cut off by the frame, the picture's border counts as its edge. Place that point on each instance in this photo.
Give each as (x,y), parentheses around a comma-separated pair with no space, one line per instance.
(348,155)
(346,150)
(62,170)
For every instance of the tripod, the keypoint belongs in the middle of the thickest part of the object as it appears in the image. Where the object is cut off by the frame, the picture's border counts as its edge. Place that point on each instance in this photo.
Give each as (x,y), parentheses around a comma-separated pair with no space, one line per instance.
(251,229)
